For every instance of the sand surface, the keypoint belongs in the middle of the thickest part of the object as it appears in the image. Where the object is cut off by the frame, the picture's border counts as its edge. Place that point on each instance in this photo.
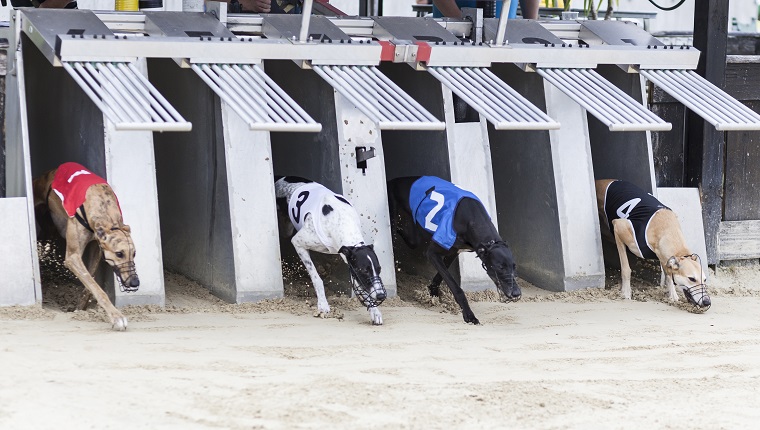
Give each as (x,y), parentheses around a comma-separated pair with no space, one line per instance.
(586,360)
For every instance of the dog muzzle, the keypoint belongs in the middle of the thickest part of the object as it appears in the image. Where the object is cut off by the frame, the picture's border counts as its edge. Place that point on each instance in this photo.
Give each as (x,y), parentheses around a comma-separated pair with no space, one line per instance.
(127,271)
(371,294)
(697,296)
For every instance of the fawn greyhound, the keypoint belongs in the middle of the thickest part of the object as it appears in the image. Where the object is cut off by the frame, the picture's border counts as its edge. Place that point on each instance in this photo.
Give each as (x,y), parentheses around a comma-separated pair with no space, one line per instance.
(84,208)
(650,230)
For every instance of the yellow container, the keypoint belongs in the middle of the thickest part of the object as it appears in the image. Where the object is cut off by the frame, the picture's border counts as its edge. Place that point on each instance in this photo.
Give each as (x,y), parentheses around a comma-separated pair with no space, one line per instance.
(126,5)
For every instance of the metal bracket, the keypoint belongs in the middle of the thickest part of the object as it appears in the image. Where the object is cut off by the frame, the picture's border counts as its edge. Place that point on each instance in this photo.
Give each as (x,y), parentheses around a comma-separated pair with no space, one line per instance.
(404,51)
(475,15)
(362,155)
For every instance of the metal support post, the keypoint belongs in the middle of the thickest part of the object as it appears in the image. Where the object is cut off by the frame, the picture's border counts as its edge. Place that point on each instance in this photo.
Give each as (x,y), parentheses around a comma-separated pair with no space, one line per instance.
(305,20)
(501,31)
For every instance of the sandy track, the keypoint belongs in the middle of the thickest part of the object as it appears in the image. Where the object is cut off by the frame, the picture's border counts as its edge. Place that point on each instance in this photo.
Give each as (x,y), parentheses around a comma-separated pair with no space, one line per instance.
(550,361)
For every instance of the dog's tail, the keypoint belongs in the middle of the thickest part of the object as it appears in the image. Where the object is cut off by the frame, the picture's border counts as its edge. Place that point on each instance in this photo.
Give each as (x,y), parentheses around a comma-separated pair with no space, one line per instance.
(41,188)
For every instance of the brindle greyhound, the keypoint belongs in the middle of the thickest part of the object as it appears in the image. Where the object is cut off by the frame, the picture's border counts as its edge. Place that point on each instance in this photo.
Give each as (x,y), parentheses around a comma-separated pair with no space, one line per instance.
(662,234)
(97,219)
(474,232)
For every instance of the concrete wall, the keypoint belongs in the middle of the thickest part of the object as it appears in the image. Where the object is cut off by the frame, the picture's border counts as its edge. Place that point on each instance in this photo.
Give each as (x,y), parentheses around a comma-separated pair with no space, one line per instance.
(544,191)
(215,194)
(622,155)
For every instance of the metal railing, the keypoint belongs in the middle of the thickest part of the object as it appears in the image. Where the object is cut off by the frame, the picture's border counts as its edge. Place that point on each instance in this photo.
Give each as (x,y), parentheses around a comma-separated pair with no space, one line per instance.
(255,97)
(126,97)
(721,110)
(379,98)
(499,103)
(610,105)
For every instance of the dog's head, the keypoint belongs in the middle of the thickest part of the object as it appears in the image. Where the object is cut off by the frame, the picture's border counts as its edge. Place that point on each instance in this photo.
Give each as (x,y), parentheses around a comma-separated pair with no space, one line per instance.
(687,274)
(119,253)
(365,274)
(500,265)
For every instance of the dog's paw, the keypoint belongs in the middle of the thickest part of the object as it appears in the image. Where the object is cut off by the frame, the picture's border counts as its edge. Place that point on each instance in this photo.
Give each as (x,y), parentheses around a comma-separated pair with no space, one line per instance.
(470,318)
(323,307)
(435,291)
(376,316)
(119,323)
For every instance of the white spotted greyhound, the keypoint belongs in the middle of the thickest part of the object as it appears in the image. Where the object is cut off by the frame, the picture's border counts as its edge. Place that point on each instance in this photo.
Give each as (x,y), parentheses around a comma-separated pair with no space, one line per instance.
(327,223)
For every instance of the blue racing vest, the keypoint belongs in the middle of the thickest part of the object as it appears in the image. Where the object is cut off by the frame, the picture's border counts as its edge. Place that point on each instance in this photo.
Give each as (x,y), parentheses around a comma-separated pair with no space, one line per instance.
(433,202)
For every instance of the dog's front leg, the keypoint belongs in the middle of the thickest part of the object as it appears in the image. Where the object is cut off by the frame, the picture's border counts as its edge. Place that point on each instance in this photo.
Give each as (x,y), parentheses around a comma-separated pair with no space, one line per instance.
(436,257)
(74,263)
(322,306)
(670,286)
(84,301)
(622,228)
(375,316)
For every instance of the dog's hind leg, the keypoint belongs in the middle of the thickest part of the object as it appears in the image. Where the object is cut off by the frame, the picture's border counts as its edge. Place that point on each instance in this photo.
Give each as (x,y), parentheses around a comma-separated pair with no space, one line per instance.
(74,263)
(623,235)
(434,287)
(437,259)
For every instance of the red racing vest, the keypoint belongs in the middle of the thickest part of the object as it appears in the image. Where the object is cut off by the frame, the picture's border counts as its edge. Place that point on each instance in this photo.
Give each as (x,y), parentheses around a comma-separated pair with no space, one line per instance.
(71,182)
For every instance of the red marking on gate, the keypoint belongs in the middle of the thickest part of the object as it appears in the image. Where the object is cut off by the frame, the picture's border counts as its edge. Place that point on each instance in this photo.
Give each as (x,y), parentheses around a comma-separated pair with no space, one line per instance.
(423,51)
(388,50)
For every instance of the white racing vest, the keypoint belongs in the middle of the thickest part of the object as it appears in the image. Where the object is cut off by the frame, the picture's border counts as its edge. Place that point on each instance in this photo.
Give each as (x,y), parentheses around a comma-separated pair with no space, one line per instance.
(309,199)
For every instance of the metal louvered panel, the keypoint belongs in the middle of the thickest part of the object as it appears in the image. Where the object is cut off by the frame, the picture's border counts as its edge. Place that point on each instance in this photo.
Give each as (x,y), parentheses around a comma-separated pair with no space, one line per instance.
(126,97)
(721,110)
(504,107)
(379,98)
(259,101)
(610,105)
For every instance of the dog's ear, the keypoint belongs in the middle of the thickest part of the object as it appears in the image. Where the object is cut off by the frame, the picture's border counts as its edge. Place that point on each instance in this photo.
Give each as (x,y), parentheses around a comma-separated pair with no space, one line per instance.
(100,233)
(126,228)
(673,263)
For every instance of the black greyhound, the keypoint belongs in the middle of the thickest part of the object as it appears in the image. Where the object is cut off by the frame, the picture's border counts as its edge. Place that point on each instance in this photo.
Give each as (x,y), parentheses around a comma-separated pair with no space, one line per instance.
(474,232)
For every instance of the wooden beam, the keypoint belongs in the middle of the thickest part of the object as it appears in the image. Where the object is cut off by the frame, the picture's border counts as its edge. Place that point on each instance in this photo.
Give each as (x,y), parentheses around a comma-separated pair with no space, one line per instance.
(739,240)
(705,146)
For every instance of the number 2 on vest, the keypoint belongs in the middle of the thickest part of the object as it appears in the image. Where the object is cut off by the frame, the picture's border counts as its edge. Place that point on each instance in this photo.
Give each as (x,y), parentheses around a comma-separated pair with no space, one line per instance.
(624,211)
(438,199)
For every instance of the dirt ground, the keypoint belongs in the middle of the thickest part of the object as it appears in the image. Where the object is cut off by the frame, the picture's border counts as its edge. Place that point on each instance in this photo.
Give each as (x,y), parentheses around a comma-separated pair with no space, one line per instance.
(586,360)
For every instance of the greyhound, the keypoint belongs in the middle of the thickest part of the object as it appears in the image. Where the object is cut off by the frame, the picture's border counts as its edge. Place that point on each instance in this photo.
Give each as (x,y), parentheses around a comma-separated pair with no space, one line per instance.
(327,223)
(84,208)
(650,230)
(431,209)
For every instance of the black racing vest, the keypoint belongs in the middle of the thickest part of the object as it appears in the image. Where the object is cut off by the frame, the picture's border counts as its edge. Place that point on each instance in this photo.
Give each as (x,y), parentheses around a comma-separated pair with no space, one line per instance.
(623,200)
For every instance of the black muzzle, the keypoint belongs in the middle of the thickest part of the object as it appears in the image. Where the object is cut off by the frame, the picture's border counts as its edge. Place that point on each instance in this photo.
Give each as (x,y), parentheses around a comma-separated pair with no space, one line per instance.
(699,290)
(371,293)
